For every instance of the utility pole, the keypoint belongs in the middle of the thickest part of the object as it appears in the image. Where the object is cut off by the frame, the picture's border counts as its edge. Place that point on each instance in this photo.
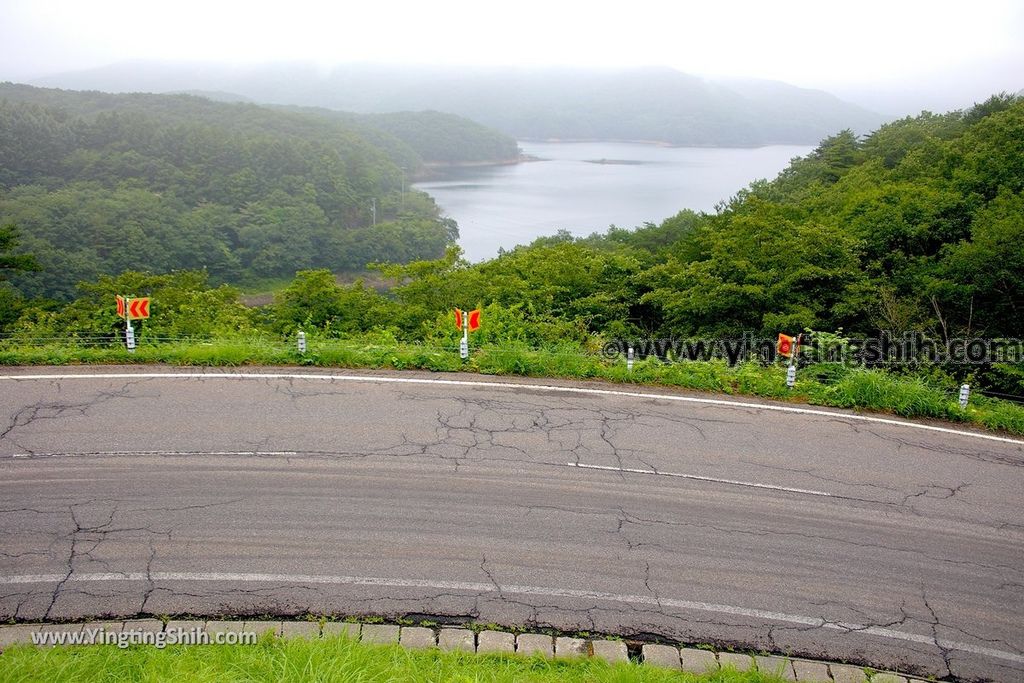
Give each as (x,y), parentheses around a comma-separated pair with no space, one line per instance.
(373,210)
(403,187)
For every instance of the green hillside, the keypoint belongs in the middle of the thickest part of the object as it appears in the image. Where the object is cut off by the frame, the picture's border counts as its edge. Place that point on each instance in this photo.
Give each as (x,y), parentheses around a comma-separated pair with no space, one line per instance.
(437,137)
(100,183)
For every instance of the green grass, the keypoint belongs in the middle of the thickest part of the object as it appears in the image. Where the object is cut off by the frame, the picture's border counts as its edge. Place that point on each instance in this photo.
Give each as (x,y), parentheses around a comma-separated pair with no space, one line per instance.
(331,659)
(825,385)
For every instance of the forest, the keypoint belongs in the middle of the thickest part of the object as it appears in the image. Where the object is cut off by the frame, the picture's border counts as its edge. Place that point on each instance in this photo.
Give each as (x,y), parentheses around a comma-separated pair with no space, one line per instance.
(100,183)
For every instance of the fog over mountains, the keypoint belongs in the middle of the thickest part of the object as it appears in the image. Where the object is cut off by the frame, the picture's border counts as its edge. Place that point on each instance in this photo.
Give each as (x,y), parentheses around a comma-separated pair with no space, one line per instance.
(566,103)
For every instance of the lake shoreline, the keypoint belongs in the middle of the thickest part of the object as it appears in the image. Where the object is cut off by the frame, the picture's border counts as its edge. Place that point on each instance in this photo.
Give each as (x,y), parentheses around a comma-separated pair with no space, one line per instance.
(585,187)
(664,143)
(433,169)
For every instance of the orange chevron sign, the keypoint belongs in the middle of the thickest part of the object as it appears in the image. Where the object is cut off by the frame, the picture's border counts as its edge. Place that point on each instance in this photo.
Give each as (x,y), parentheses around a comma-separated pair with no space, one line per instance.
(138,308)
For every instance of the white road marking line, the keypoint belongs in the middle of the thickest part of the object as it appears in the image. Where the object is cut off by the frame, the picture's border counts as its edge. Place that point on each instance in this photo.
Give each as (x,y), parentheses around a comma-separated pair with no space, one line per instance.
(513,385)
(118,453)
(536,591)
(698,477)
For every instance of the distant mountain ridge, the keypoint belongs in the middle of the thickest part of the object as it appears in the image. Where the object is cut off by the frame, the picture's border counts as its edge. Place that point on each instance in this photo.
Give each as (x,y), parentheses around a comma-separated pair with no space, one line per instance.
(651,104)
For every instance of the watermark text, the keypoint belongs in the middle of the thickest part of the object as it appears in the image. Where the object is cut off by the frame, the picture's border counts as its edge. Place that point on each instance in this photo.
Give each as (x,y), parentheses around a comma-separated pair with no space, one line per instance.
(885,349)
(98,635)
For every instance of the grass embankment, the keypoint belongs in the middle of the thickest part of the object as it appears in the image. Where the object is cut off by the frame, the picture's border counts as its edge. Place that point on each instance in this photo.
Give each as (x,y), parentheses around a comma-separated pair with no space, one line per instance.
(825,384)
(331,659)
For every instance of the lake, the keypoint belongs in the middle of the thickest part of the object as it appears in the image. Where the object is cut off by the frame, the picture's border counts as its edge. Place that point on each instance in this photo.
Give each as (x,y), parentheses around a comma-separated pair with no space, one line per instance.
(502,206)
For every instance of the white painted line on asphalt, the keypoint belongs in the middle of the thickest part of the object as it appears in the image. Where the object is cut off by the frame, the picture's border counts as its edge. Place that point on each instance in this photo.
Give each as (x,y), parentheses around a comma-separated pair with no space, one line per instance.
(536,591)
(117,453)
(512,385)
(698,477)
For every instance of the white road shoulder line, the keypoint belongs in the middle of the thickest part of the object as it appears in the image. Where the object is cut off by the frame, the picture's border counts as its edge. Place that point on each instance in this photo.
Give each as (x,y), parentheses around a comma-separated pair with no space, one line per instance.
(698,477)
(143,453)
(512,385)
(537,591)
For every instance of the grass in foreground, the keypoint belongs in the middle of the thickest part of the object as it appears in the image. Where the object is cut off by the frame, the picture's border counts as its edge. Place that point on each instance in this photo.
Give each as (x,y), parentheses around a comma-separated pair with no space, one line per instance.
(332,659)
(826,385)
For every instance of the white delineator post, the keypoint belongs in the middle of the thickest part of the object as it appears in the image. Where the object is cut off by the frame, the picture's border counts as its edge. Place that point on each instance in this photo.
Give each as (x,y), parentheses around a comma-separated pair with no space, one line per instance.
(629,359)
(464,344)
(791,370)
(129,331)
(965,395)
(301,341)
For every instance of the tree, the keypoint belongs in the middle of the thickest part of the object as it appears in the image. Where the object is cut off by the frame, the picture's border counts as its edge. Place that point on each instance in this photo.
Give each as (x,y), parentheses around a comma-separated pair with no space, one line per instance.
(768,268)
(315,300)
(11,262)
(991,265)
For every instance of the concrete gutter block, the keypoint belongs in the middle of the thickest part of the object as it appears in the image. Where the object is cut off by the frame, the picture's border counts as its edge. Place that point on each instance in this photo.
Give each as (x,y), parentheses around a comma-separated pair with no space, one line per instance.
(344,628)
(186,626)
(661,655)
(738,661)
(461,639)
(104,626)
(810,672)
(261,627)
(215,626)
(697,661)
(99,631)
(778,666)
(611,651)
(495,641)
(529,643)
(17,634)
(300,629)
(844,673)
(417,637)
(571,647)
(380,633)
(60,628)
(143,625)
(888,677)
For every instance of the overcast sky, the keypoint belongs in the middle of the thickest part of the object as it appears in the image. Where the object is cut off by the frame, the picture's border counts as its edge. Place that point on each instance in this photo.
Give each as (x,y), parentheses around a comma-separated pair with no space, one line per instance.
(893,55)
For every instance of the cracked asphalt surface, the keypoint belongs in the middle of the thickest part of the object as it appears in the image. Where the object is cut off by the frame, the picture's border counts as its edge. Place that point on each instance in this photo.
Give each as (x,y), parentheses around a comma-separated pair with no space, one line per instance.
(251,496)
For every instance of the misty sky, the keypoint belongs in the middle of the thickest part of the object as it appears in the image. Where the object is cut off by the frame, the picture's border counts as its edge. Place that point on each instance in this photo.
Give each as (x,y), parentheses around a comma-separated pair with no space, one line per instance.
(894,56)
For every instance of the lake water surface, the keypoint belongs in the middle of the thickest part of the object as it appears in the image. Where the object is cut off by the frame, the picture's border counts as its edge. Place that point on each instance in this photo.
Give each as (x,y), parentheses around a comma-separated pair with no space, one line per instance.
(502,206)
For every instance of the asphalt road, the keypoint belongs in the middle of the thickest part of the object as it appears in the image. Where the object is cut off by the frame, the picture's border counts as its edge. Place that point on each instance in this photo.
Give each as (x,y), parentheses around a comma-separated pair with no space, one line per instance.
(812,533)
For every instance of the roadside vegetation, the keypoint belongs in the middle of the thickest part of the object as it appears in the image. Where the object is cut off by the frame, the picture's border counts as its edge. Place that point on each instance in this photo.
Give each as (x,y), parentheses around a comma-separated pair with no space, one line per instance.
(824,384)
(330,659)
